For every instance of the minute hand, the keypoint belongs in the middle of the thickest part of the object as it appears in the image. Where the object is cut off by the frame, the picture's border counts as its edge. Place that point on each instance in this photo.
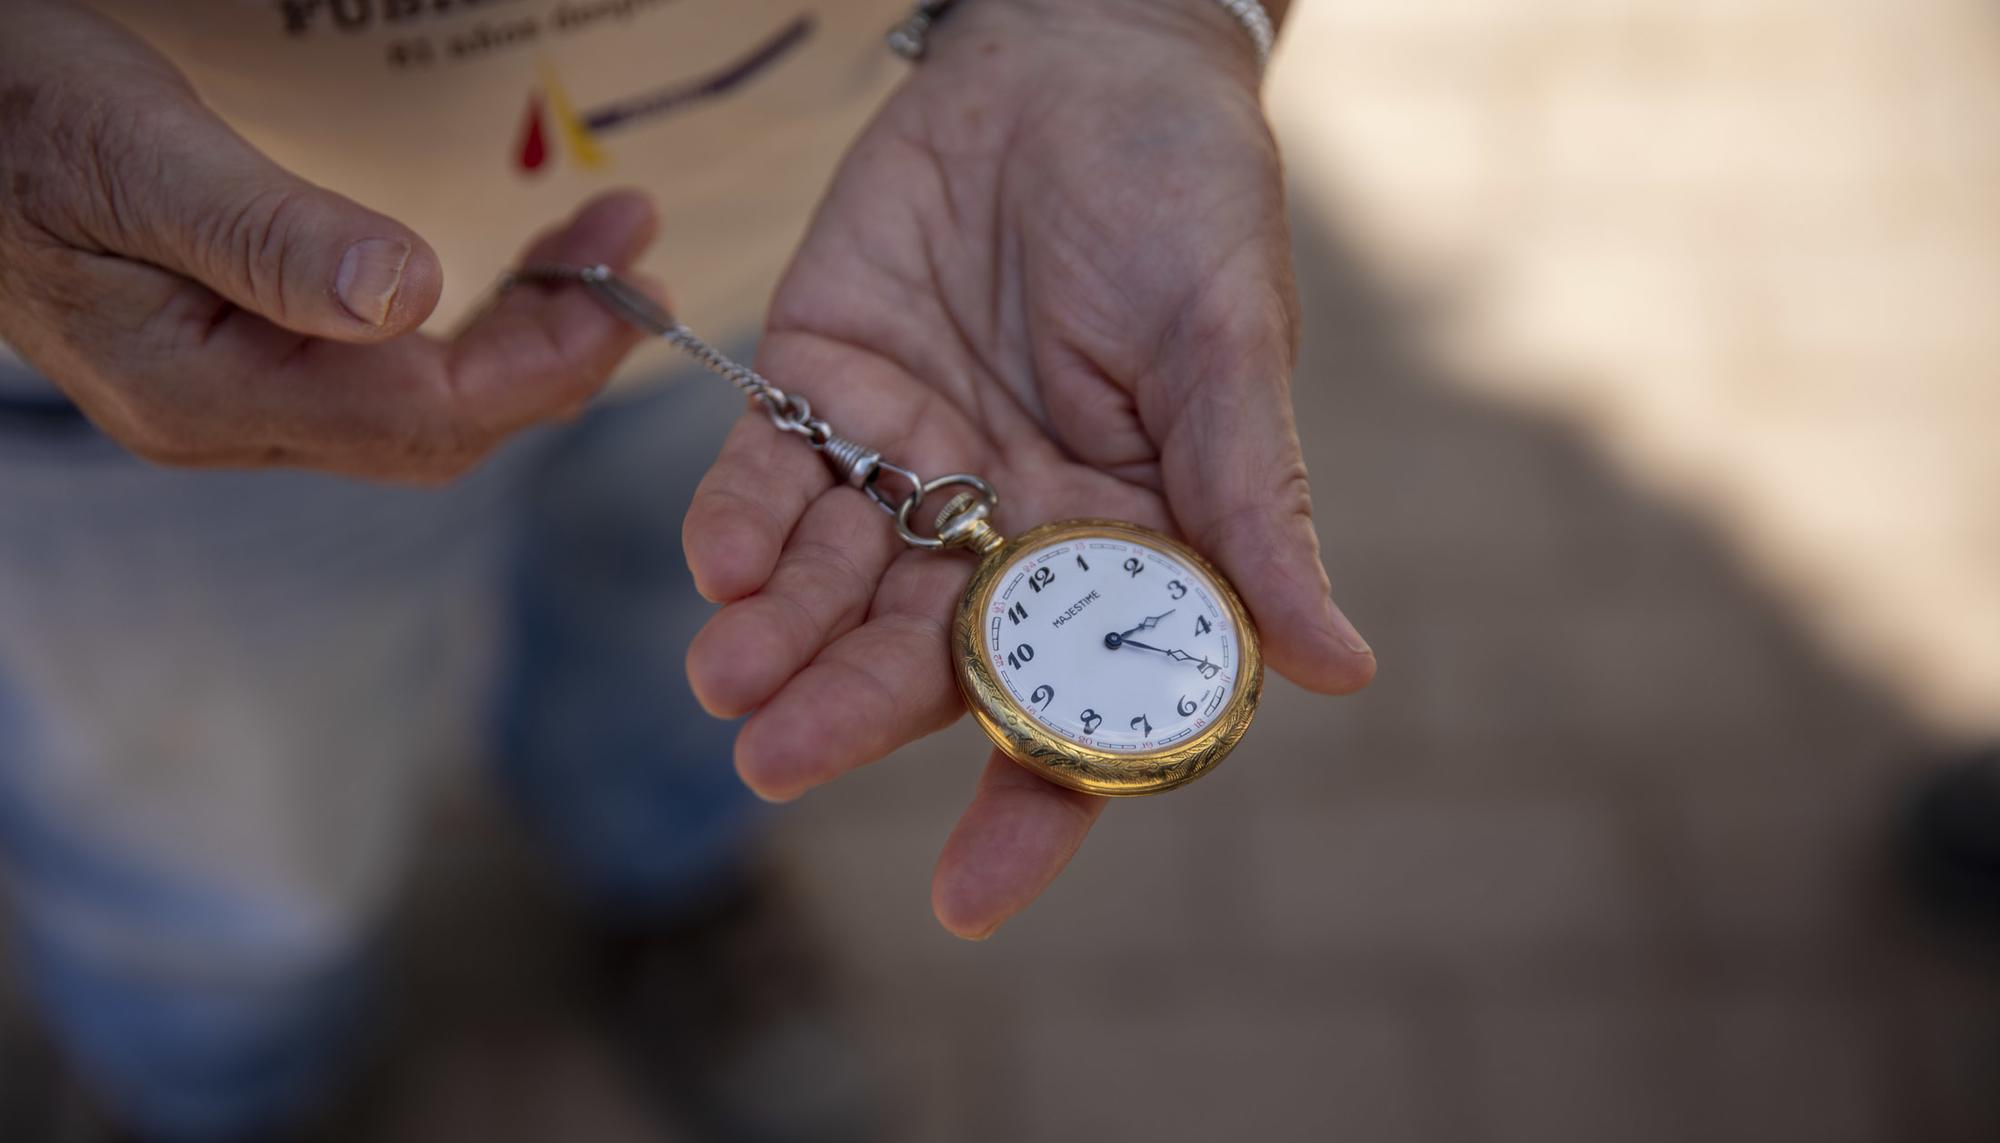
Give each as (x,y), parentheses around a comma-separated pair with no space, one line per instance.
(1208,669)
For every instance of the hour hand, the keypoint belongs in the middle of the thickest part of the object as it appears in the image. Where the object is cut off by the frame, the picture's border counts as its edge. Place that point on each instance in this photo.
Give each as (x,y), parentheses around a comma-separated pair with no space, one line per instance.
(1149,623)
(1117,638)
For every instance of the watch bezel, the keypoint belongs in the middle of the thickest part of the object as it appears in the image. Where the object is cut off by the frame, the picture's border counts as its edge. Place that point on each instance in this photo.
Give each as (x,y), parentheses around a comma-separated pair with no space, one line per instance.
(1108,773)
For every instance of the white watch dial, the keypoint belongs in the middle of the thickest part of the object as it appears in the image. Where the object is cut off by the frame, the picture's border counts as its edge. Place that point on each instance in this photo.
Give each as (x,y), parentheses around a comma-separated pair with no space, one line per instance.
(1112,643)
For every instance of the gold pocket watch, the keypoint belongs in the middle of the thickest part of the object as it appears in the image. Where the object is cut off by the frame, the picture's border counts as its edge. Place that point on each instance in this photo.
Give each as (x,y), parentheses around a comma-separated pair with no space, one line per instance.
(1101,655)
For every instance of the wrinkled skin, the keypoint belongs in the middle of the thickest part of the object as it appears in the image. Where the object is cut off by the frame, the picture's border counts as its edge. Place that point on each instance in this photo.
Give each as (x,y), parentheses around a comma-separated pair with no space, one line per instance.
(1058,258)
(181,288)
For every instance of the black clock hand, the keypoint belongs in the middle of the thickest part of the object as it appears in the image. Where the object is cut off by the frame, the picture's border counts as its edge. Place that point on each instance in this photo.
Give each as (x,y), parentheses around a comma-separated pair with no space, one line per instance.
(1150,623)
(1208,670)
(1183,655)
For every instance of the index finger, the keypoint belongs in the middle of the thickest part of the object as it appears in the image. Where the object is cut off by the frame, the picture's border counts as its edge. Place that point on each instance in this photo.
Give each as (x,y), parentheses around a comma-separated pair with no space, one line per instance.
(540,352)
(747,506)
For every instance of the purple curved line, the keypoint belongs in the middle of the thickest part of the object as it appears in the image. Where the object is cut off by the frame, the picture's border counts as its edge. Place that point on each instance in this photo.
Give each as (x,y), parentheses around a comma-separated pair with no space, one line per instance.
(708,87)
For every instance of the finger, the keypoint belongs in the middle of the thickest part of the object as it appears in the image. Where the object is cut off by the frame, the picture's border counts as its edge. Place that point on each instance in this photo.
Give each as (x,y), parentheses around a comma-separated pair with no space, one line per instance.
(183,377)
(754,494)
(747,505)
(538,353)
(877,688)
(110,151)
(1012,841)
(1236,481)
(168,183)
(819,591)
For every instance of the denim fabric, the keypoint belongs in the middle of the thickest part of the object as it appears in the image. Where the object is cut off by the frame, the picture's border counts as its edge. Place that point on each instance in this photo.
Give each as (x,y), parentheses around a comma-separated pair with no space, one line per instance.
(596,698)
(188,1059)
(223,696)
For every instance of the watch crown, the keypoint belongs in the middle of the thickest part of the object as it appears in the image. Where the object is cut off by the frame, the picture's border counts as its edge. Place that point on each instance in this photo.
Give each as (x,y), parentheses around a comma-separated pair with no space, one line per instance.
(954,507)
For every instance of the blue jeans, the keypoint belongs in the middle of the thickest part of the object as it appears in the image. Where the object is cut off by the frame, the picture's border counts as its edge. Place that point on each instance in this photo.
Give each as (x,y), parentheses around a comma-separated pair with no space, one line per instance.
(223,695)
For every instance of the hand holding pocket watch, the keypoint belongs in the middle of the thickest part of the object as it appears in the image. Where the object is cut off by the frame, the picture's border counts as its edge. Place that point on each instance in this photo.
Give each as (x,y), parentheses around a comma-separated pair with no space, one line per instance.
(1059,260)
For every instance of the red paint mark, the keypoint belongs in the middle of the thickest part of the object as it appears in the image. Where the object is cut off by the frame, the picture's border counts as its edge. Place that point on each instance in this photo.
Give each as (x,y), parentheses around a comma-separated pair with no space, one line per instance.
(534,146)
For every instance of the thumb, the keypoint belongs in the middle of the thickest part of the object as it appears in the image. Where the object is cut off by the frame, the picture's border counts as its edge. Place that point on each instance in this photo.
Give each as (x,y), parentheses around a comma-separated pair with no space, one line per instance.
(143,170)
(108,150)
(1237,484)
(302,257)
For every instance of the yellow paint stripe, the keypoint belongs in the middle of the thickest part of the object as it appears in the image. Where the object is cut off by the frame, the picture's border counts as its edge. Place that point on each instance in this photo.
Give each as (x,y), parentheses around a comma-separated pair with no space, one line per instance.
(582,147)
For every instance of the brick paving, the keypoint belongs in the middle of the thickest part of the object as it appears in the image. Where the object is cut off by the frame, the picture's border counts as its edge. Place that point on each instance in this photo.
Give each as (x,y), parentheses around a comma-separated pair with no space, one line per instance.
(1747,245)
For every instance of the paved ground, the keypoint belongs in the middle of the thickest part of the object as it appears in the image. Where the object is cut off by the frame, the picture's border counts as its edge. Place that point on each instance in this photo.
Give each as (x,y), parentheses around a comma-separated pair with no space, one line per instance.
(1747,246)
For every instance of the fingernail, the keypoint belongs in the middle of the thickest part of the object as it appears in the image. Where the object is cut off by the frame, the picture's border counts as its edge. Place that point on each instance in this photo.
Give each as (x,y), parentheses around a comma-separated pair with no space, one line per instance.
(983,932)
(369,277)
(773,799)
(1344,630)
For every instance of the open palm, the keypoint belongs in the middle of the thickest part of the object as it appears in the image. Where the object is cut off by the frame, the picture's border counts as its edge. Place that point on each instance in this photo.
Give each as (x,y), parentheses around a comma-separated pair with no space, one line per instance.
(1058,259)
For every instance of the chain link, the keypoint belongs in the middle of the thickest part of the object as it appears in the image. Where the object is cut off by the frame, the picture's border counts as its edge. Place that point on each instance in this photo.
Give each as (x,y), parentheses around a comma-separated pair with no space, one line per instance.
(857,464)
(911,36)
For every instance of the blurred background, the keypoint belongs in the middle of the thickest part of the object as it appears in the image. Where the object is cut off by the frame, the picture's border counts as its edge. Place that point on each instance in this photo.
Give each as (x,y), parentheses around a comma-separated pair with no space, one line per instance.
(1648,391)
